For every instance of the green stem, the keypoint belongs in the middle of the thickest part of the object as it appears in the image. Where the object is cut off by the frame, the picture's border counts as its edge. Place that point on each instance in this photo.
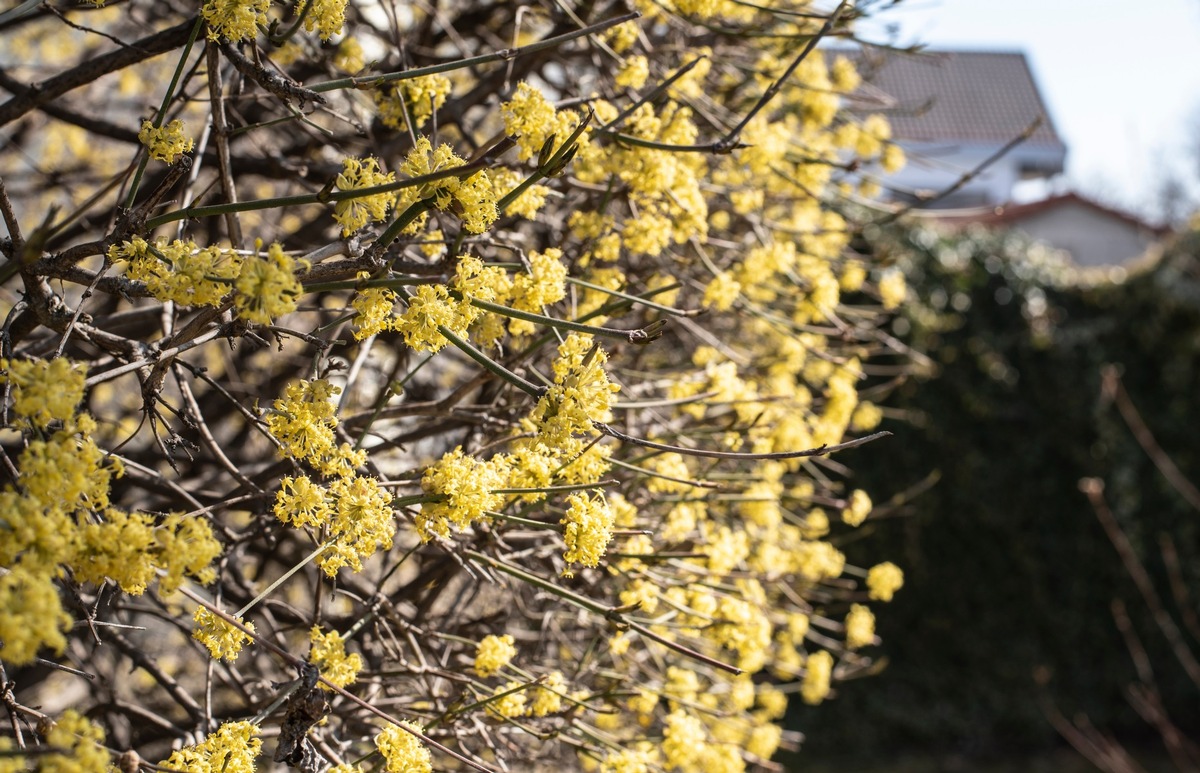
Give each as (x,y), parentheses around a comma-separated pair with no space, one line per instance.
(384,401)
(503,55)
(544,525)
(640,335)
(283,578)
(531,389)
(162,110)
(556,489)
(320,197)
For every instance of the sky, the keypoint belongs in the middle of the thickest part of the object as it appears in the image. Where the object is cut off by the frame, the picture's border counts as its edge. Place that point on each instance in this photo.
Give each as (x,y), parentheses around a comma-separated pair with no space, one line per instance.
(1121,79)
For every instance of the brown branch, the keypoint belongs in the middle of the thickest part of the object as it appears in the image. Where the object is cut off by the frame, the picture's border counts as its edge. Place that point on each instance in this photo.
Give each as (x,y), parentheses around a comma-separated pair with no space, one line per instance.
(39,94)
(1113,391)
(818,451)
(1093,488)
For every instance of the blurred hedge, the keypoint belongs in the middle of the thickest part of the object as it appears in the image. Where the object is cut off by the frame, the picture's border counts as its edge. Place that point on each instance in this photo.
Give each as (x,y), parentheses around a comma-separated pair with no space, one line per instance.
(1009,574)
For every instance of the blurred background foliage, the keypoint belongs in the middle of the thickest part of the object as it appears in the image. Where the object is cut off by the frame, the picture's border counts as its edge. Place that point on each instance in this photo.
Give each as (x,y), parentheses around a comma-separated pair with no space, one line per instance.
(1009,575)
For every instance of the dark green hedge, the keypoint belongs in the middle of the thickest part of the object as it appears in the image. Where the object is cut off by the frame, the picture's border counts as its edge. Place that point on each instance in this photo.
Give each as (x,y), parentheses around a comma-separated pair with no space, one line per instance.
(1008,570)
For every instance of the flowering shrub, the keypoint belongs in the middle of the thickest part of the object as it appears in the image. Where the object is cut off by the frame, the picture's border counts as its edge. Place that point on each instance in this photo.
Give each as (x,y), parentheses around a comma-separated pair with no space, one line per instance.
(437,404)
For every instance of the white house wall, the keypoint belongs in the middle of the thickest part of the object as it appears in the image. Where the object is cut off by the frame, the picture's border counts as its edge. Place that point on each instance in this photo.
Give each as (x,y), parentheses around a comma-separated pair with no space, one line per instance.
(1093,238)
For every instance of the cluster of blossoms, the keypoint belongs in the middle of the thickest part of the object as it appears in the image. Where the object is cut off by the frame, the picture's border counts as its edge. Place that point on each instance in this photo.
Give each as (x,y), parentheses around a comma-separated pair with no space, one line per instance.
(351,512)
(265,287)
(165,143)
(58,516)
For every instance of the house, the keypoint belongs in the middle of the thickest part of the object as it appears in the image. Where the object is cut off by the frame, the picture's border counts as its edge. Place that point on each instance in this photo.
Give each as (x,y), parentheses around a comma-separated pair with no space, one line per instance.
(952,111)
(959,115)
(1093,234)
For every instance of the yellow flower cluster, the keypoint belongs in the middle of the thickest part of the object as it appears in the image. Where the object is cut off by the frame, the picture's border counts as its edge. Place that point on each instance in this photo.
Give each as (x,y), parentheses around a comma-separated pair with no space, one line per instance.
(402,751)
(267,287)
(327,17)
(588,530)
(231,749)
(429,309)
(858,509)
(818,671)
(223,639)
(234,20)
(180,271)
(548,697)
(883,580)
(892,289)
(415,98)
(354,213)
(860,627)
(78,745)
(328,653)
(43,390)
(473,199)
(530,118)
(462,490)
(372,310)
(165,143)
(581,394)
(508,701)
(304,422)
(59,515)
(493,653)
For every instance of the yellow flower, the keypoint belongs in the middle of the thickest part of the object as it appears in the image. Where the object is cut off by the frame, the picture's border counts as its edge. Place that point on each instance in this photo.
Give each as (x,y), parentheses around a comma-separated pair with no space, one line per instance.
(463,487)
(493,653)
(818,670)
(44,390)
(224,641)
(589,526)
(474,198)
(683,738)
(402,751)
(31,616)
(267,287)
(633,73)
(858,508)
(327,17)
(301,502)
(860,627)
(234,19)
(185,546)
(82,745)
(373,311)
(231,749)
(509,706)
(179,271)
(303,421)
(529,117)
(866,417)
(721,292)
(429,308)
(328,653)
(884,580)
(582,393)
(349,57)
(122,548)
(548,696)
(165,143)
(360,521)
(355,213)
(892,289)
(420,97)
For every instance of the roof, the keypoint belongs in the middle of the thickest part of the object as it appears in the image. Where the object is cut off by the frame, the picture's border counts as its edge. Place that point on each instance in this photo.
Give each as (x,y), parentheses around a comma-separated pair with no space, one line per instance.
(1013,214)
(976,96)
